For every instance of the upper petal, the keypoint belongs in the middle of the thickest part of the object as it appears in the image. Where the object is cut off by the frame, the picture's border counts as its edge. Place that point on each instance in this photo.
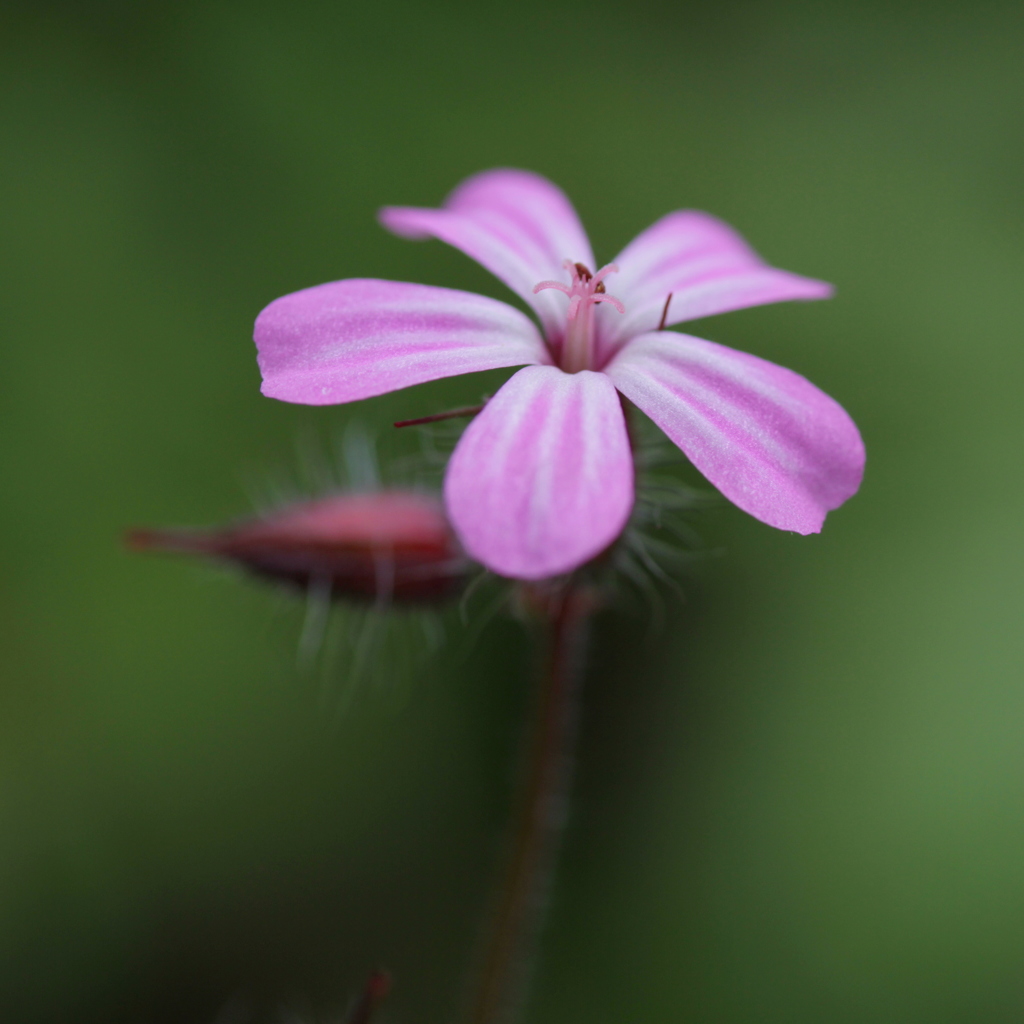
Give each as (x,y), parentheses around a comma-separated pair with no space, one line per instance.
(706,266)
(352,339)
(767,438)
(542,479)
(519,225)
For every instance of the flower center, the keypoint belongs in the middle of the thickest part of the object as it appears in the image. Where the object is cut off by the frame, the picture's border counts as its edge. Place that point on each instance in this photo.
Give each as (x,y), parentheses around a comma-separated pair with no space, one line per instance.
(584,293)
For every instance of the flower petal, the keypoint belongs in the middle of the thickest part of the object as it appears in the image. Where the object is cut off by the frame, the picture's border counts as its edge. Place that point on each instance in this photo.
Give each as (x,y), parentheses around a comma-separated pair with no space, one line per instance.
(767,438)
(351,339)
(519,225)
(542,479)
(706,266)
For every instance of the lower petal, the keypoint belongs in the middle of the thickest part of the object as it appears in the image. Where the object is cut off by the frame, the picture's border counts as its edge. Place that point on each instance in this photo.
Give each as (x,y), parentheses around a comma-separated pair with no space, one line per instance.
(542,479)
(767,438)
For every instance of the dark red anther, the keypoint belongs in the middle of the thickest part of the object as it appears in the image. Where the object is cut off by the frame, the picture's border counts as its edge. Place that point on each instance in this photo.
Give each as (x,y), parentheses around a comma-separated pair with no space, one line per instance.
(391,544)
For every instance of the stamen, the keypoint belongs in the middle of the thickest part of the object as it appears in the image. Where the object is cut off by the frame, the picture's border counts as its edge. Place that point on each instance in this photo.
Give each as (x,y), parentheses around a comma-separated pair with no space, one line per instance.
(452,414)
(664,313)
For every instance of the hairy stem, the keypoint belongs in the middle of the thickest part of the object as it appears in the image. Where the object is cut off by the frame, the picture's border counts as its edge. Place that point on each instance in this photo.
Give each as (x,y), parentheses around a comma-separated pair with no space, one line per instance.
(541,814)
(377,987)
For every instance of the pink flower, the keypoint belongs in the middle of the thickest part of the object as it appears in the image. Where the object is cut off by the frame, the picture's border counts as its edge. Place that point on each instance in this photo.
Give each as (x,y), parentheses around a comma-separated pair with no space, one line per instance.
(542,480)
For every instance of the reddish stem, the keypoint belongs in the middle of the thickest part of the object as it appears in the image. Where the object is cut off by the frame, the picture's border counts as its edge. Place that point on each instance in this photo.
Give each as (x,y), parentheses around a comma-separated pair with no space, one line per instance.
(542,813)
(377,987)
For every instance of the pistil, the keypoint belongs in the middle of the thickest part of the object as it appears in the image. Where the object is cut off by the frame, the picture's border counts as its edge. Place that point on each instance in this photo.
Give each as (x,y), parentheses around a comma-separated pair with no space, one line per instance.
(584,293)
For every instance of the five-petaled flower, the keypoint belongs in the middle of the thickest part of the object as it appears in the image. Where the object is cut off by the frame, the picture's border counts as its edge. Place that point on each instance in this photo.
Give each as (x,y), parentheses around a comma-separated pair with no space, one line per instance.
(542,479)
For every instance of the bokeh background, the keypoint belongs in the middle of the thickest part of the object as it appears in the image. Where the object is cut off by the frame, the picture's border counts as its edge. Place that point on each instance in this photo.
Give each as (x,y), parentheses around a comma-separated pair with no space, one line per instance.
(803,800)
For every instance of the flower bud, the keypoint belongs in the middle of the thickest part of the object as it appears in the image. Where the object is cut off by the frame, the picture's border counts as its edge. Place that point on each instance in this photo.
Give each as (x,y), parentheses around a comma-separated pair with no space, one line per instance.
(391,544)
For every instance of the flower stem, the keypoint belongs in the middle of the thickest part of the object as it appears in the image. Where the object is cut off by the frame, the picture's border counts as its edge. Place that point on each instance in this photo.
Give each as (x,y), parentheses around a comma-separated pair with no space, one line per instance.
(377,987)
(541,816)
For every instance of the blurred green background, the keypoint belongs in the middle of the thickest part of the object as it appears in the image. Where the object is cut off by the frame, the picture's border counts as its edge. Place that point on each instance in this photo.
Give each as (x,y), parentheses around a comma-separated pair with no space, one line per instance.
(803,802)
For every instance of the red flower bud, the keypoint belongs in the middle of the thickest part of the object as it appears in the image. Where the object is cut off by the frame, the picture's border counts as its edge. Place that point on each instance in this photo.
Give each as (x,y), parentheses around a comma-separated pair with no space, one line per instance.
(384,544)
